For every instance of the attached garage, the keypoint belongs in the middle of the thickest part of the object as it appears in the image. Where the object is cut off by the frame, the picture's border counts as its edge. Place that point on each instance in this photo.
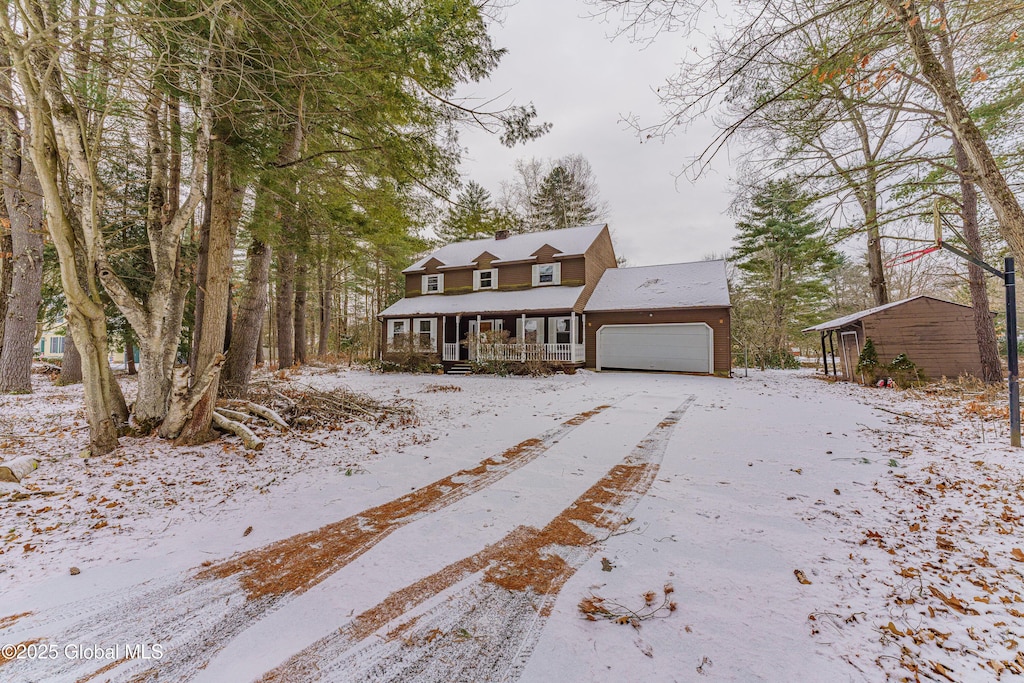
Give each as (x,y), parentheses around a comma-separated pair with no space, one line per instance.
(672,318)
(673,347)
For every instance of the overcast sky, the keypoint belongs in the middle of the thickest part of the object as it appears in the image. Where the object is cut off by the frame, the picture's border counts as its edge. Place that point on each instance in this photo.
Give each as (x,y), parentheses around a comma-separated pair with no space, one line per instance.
(585,84)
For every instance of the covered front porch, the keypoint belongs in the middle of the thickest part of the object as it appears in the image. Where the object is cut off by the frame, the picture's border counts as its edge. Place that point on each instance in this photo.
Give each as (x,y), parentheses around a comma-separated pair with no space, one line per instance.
(556,338)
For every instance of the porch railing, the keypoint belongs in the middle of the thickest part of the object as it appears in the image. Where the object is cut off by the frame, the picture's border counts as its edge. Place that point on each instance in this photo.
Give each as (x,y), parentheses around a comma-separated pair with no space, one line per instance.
(530,352)
(451,352)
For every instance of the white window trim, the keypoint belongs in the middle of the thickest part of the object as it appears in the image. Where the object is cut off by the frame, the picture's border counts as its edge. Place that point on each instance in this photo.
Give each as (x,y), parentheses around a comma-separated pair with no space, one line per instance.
(494,278)
(391,328)
(553,329)
(433,331)
(440,283)
(556,278)
(521,331)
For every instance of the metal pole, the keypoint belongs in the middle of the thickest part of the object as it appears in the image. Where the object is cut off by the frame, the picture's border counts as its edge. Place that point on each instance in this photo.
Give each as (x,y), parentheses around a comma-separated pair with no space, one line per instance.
(824,354)
(832,349)
(1009,277)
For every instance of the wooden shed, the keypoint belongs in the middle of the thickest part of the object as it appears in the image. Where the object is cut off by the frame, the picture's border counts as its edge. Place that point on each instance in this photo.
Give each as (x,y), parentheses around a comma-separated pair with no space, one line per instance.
(937,335)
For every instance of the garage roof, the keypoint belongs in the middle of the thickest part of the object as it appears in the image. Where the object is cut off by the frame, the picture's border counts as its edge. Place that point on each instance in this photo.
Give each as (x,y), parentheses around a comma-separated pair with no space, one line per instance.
(527,300)
(700,284)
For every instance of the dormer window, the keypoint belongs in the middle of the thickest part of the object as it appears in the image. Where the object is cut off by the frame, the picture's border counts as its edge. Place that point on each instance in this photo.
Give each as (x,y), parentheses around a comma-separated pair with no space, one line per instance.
(485,279)
(547,274)
(432,284)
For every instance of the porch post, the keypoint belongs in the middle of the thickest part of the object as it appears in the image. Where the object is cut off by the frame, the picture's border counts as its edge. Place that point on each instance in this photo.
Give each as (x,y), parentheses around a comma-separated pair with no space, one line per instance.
(572,337)
(522,339)
(583,340)
(444,335)
(458,342)
(477,342)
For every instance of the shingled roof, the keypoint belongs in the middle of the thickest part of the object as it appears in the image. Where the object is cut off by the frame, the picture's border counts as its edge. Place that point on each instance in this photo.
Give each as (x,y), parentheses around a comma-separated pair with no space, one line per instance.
(566,242)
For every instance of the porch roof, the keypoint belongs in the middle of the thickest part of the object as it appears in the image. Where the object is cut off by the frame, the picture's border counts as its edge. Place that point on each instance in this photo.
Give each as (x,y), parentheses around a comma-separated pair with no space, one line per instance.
(534,300)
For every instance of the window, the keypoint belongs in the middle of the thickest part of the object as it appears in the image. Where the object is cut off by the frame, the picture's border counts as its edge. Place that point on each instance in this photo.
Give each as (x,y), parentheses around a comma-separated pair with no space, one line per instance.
(561,330)
(398,331)
(56,345)
(531,330)
(426,337)
(433,284)
(485,279)
(547,274)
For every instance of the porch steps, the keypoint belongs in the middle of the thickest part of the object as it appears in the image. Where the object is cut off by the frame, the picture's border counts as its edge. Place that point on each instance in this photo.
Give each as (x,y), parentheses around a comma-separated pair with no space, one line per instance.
(459,369)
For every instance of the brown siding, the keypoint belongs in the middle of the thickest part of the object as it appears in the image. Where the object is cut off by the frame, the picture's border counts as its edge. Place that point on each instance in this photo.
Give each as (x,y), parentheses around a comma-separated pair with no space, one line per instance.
(938,336)
(515,276)
(600,256)
(546,254)
(574,272)
(717,318)
(455,282)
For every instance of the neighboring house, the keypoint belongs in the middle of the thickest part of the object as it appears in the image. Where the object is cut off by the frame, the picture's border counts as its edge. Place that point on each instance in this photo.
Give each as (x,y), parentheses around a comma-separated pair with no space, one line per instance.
(51,344)
(937,335)
(558,296)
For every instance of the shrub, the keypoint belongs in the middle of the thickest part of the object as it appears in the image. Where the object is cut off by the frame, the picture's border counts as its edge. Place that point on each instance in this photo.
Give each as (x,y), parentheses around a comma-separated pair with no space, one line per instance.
(868,365)
(904,371)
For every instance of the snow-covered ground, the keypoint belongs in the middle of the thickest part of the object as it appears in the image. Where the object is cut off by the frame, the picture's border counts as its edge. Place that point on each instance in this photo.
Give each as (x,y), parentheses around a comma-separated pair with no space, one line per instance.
(592,527)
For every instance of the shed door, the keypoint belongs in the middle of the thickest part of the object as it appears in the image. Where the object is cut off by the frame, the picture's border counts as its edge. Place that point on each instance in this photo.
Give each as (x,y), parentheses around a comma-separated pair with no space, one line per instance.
(677,347)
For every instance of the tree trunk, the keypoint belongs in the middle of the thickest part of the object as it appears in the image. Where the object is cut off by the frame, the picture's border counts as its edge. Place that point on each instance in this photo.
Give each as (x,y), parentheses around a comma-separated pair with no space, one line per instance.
(24,207)
(202,261)
(225,209)
(984,168)
(57,146)
(129,356)
(285,308)
(300,314)
(991,369)
(71,363)
(876,266)
(6,263)
(326,295)
(246,341)
(259,341)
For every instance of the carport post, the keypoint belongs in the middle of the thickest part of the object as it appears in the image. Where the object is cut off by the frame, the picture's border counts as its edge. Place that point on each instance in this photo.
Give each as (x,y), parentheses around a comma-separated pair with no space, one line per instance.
(832,348)
(824,355)
(1010,277)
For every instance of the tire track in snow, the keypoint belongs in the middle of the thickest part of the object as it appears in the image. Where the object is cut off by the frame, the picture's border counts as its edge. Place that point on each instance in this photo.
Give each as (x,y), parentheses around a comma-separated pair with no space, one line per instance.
(495,602)
(196,617)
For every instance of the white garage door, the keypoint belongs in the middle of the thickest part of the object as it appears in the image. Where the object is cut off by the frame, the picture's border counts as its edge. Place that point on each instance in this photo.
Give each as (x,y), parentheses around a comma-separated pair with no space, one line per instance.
(679,347)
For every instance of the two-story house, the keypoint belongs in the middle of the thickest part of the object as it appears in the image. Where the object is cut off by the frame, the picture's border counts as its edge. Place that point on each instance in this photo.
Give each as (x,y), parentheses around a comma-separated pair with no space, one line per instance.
(560,297)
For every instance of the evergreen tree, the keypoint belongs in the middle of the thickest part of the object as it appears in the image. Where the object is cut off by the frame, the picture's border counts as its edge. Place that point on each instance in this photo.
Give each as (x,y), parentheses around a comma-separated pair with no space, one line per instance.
(472,216)
(562,201)
(784,260)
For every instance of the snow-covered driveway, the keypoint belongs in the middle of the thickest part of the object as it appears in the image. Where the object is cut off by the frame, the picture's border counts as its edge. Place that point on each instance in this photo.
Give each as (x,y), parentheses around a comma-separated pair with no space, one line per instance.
(708,527)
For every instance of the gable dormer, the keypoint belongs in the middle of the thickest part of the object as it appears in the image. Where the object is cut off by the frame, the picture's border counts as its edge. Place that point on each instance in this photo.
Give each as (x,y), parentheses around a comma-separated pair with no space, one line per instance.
(432,265)
(484,260)
(546,254)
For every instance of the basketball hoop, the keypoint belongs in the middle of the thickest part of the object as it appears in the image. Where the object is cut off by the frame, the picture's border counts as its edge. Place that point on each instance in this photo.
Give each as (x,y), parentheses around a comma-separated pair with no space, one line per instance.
(910,256)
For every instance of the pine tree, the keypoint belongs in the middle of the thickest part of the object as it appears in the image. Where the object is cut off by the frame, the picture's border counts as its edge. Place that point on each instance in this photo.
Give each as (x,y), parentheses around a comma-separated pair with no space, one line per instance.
(471,217)
(567,197)
(784,260)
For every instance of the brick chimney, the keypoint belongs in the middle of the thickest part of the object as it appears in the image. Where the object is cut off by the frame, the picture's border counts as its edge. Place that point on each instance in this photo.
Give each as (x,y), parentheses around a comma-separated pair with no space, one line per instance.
(501,235)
